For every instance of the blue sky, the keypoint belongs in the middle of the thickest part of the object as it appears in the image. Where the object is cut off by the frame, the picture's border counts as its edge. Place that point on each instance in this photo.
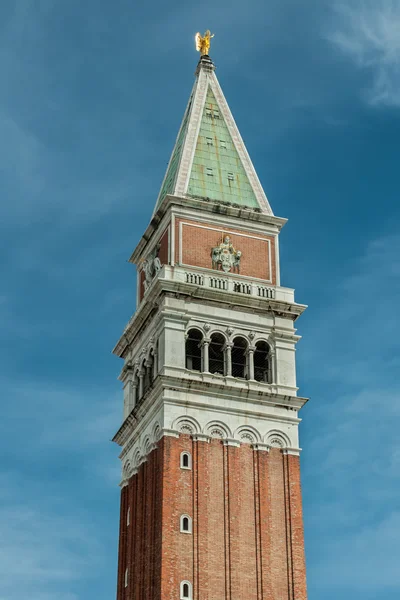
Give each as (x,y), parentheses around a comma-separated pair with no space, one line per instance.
(91,97)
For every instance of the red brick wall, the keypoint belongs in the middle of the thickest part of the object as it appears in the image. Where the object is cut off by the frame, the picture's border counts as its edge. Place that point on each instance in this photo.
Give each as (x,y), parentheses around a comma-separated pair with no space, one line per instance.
(247,539)
(197,242)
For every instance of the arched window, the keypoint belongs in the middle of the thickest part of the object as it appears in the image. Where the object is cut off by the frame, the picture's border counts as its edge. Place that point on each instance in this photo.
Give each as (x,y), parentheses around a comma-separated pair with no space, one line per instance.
(216,354)
(186,460)
(193,350)
(262,362)
(239,363)
(186,590)
(186,524)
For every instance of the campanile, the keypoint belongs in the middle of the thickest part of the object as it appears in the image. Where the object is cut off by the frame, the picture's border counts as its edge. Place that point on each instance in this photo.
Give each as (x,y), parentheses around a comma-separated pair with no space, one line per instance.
(210,490)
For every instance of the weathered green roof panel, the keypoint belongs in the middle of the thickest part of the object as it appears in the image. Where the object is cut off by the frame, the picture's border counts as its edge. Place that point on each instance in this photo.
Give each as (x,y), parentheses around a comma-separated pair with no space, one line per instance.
(209,159)
(217,171)
(168,185)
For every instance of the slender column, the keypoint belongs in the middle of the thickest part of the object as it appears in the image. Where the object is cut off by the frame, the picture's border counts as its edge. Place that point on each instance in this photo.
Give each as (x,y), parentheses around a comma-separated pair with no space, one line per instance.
(129,393)
(250,361)
(206,365)
(155,365)
(272,375)
(134,385)
(228,358)
(141,383)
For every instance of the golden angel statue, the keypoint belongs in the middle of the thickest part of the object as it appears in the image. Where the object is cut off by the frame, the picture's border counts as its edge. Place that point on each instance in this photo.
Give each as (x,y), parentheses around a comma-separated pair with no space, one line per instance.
(203,42)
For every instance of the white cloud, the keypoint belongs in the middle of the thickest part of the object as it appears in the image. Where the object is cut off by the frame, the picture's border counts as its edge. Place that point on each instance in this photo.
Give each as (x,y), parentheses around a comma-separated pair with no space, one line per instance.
(44,548)
(368,32)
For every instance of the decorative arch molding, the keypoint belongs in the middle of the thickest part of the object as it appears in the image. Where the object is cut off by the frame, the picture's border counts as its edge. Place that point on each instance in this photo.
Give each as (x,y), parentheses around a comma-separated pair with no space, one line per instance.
(186,424)
(147,446)
(156,431)
(247,434)
(218,429)
(127,469)
(277,439)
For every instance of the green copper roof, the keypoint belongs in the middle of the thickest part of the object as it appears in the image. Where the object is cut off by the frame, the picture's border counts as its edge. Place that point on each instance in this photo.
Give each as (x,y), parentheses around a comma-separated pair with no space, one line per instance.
(168,185)
(217,171)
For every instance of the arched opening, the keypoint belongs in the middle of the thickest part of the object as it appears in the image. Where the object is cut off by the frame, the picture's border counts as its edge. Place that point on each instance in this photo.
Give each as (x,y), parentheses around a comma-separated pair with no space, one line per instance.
(216,354)
(137,396)
(186,524)
(186,460)
(262,362)
(239,363)
(193,349)
(186,590)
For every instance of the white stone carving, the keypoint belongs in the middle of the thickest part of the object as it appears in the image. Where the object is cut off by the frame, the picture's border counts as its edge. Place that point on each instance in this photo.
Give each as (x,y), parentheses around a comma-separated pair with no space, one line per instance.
(224,256)
(151,267)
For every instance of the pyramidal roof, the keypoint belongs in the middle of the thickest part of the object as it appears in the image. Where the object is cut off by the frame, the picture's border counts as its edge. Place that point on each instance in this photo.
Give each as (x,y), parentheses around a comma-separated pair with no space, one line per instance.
(209,159)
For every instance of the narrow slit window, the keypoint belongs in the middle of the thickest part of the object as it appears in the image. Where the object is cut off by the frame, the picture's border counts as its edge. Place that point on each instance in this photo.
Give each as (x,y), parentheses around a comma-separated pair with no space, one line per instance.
(128,516)
(126,578)
(186,460)
(230,177)
(209,113)
(186,590)
(216,113)
(209,141)
(223,144)
(209,171)
(186,524)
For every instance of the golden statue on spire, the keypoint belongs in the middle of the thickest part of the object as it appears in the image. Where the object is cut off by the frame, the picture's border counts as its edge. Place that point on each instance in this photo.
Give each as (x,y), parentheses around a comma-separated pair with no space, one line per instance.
(203,42)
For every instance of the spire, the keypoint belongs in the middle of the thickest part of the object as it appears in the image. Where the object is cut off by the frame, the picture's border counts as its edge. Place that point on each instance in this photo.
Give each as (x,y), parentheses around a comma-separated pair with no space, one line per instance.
(209,159)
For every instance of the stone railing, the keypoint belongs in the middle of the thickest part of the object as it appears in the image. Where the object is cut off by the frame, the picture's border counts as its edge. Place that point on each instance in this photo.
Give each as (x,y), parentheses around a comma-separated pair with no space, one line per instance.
(226,282)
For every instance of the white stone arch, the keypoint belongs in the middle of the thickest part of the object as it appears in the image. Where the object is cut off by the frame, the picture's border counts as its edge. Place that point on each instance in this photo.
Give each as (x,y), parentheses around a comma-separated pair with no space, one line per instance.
(146,446)
(240,334)
(137,459)
(247,434)
(156,432)
(197,328)
(218,429)
(127,469)
(277,439)
(186,424)
(215,330)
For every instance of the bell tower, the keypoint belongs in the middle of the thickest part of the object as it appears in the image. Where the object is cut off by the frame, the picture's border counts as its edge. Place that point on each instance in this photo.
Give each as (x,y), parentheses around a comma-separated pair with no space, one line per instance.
(210,490)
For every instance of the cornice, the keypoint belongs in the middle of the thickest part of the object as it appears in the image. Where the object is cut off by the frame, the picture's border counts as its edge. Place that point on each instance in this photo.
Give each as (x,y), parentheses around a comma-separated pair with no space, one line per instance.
(244,215)
(162,286)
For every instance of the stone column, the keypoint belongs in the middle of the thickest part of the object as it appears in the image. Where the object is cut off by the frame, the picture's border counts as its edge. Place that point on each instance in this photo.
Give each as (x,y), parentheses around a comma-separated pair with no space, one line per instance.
(205,345)
(271,367)
(228,358)
(141,383)
(250,361)
(155,365)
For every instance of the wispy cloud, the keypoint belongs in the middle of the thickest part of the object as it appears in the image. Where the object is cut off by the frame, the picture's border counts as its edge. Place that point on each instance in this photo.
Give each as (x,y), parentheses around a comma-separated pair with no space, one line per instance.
(356,510)
(43,550)
(367,31)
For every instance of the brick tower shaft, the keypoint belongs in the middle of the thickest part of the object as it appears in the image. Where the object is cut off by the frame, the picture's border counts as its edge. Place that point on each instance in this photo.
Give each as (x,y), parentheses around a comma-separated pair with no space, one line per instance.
(210,490)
